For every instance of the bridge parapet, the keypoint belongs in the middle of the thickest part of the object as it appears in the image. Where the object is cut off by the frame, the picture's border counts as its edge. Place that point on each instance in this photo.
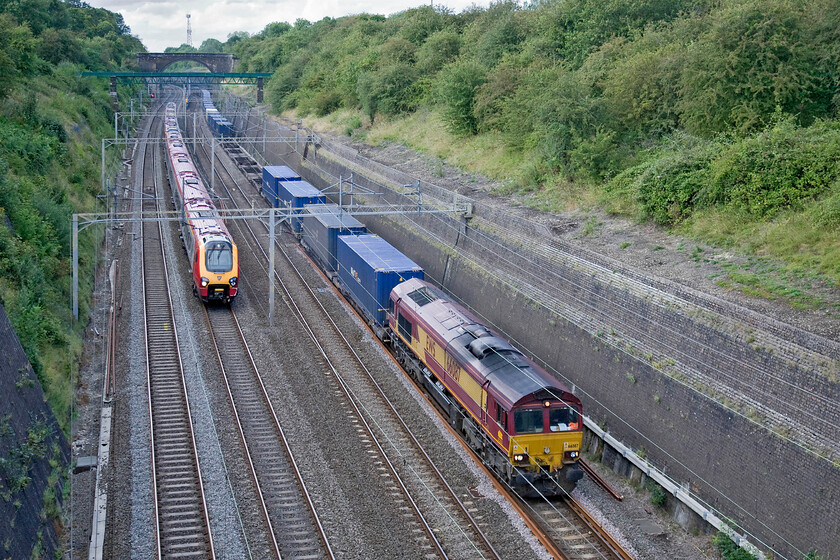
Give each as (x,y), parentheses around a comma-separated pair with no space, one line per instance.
(218,63)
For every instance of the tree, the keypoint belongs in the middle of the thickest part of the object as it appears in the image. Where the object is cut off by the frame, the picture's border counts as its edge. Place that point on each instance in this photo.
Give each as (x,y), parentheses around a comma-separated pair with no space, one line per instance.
(210,46)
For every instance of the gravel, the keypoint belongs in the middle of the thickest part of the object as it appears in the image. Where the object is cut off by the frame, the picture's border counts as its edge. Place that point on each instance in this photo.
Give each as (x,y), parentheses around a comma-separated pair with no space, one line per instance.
(357,508)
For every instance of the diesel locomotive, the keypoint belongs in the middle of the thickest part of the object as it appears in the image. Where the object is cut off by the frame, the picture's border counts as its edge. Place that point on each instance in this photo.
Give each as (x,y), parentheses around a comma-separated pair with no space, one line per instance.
(526,425)
(213,256)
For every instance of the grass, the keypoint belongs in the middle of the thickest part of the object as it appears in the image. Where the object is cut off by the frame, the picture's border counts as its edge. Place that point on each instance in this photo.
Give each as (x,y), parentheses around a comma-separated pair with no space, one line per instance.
(807,248)
(805,242)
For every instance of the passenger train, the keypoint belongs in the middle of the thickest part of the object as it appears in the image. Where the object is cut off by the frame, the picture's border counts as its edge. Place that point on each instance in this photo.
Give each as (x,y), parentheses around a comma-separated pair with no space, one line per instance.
(521,420)
(213,256)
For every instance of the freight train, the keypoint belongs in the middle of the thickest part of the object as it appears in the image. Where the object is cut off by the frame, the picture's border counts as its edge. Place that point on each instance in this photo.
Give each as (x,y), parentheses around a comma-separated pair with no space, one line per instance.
(523,423)
(520,419)
(218,124)
(213,256)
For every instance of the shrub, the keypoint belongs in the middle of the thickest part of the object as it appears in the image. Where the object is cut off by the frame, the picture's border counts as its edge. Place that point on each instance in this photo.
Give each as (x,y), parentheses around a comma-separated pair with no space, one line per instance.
(782,167)
(456,87)
(326,102)
(390,90)
(670,186)
(729,550)
(438,50)
(658,497)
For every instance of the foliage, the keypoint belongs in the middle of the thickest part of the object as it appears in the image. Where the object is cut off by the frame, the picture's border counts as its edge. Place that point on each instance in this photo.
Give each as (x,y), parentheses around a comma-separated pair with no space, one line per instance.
(456,86)
(729,550)
(51,121)
(389,90)
(665,110)
(14,467)
(781,168)
(763,53)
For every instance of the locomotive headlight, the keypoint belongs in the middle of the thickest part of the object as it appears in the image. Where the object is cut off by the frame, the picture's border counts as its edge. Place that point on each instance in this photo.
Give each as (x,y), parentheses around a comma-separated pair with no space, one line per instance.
(204,282)
(233,280)
(520,457)
(572,454)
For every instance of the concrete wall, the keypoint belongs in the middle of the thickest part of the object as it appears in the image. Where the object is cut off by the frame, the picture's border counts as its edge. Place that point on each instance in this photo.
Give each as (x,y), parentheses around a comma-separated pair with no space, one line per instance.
(702,387)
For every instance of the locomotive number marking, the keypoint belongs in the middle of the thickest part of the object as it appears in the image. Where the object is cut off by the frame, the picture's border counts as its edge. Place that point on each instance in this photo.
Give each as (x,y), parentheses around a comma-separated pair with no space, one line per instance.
(430,346)
(452,368)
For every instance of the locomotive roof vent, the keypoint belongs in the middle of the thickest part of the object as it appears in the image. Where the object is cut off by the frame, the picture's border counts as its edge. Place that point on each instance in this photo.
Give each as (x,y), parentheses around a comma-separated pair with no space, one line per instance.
(481,347)
(476,330)
(422,296)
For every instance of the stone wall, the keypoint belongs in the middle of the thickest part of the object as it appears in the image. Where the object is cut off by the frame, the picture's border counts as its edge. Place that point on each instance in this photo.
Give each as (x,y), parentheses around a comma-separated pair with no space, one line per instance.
(738,408)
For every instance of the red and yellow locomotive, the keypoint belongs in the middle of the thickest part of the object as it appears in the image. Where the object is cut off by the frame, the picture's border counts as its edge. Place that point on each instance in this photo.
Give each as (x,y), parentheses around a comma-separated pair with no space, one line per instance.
(527,426)
(214,260)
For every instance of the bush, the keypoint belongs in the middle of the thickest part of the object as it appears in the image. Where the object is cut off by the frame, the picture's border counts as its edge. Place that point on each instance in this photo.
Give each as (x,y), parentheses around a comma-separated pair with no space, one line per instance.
(670,186)
(729,550)
(658,497)
(326,102)
(438,50)
(780,168)
(390,90)
(456,88)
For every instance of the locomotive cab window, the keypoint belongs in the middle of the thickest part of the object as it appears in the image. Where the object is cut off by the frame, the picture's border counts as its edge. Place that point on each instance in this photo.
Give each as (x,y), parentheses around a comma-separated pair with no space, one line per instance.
(219,257)
(404,326)
(528,421)
(563,419)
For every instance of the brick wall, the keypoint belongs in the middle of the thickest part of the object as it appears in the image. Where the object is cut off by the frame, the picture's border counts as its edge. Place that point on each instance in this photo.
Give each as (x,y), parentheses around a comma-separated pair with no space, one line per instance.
(701,385)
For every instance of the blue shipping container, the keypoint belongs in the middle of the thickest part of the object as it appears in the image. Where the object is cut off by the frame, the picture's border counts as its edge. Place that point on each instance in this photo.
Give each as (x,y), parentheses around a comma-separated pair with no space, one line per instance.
(321,225)
(296,194)
(273,175)
(369,268)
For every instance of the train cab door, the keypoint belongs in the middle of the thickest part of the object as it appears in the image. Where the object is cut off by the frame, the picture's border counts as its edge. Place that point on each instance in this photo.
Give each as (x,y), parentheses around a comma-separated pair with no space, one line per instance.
(497,425)
(484,388)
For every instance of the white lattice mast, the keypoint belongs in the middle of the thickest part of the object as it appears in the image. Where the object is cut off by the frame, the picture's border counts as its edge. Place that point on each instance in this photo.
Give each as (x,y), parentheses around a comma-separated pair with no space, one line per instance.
(189,31)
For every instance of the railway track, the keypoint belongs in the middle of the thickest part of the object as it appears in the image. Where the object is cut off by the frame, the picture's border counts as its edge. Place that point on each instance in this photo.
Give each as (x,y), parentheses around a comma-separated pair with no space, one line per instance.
(417,483)
(574,533)
(296,531)
(181,518)
(572,530)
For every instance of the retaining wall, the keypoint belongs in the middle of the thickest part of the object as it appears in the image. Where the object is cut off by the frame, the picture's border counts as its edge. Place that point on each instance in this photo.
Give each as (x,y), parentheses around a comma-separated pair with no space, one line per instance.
(739,409)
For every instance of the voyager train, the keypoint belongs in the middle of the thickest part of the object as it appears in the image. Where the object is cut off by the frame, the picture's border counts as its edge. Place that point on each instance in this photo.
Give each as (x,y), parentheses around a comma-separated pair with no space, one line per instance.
(214,260)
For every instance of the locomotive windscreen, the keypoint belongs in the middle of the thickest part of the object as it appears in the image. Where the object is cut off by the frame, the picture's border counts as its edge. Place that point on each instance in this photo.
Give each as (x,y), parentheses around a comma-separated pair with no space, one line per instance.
(219,256)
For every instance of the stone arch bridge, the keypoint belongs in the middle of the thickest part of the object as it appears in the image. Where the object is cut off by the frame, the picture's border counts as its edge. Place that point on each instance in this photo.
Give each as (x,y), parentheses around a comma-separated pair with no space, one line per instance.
(217,63)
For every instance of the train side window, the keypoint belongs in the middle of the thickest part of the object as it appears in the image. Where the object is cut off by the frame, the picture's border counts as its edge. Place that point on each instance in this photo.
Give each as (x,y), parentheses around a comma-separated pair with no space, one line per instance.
(404,326)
